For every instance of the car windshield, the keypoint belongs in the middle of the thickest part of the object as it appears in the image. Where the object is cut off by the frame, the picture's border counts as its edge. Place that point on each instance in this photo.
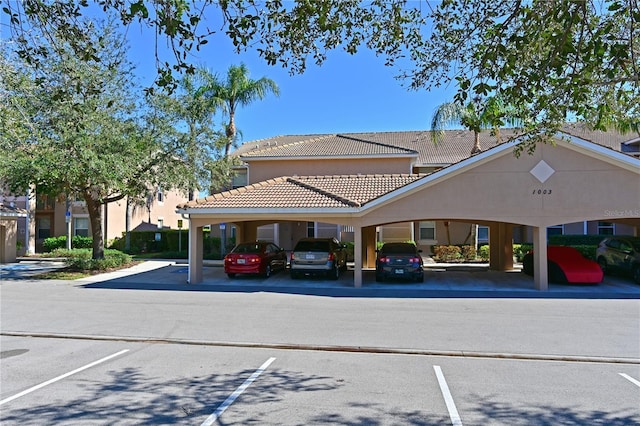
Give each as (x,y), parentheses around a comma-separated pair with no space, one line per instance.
(322,246)
(248,248)
(399,249)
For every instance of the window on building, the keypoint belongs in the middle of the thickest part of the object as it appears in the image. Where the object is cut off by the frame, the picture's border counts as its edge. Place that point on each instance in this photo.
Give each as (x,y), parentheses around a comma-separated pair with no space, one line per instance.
(555,230)
(483,234)
(428,230)
(160,196)
(239,179)
(81,226)
(311,229)
(606,228)
(160,223)
(44,202)
(43,227)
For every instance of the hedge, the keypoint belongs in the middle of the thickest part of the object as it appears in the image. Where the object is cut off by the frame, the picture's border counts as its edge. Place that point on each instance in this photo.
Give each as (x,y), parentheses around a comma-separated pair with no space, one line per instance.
(80,259)
(78,242)
(575,240)
(144,242)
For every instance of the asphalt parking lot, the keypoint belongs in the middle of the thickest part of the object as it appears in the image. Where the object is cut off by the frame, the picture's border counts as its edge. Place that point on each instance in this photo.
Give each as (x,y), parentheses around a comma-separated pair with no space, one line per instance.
(466,347)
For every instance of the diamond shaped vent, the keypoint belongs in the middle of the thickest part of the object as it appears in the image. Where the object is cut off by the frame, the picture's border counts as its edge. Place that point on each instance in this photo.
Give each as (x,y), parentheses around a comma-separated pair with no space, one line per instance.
(542,171)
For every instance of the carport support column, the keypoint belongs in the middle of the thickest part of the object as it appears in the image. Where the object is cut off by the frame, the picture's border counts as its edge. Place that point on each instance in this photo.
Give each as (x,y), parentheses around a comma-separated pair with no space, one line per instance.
(195,253)
(246,231)
(501,247)
(369,246)
(540,267)
(357,255)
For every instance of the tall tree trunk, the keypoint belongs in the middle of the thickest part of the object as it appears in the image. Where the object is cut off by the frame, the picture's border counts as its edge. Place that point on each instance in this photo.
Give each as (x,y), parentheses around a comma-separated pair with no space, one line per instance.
(95,217)
(476,143)
(230,133)
(127,226)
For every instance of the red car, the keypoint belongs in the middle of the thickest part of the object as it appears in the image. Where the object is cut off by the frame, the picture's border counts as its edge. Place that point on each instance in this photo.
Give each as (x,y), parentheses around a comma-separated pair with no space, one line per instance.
(258,258)
(566,265)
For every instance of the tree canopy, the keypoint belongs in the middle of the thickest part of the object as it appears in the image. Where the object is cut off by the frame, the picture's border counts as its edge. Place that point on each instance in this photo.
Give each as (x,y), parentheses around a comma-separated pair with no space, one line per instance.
(77,128)
(557,60)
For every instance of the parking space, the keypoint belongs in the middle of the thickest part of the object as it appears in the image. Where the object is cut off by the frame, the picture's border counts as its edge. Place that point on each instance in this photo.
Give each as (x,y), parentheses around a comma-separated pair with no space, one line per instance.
(192,384)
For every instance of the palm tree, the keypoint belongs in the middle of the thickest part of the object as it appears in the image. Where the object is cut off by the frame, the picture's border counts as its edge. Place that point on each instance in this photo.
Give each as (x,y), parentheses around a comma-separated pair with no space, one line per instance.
(236,90)
(475,116)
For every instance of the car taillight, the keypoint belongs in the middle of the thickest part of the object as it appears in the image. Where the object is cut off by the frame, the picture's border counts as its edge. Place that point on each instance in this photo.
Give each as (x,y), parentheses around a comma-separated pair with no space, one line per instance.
(291,256)
(414,260)
(384,259)
(332,256)
(254,259)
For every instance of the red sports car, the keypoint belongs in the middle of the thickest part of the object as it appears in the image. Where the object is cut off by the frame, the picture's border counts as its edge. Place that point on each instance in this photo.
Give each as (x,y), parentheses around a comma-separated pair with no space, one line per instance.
(258,257)
(566,265)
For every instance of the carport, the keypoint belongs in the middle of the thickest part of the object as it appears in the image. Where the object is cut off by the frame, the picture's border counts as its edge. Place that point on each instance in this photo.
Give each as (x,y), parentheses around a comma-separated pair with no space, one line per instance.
(571,181)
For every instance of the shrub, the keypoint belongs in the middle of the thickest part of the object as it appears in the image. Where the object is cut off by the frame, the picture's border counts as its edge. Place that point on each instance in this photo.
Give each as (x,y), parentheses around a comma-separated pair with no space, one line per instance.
(52,243)
(469,253)
(447,253)
(519,250)
(483,253)
(81,259)
(575,240)
(77,242)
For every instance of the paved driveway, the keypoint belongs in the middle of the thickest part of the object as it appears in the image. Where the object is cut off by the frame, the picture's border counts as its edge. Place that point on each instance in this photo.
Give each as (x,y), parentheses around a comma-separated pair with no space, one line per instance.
(440,281)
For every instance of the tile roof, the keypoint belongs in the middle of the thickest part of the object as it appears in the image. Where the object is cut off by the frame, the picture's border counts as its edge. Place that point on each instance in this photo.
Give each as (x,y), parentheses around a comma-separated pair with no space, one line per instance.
(304,192)
(325,146)
(455,147)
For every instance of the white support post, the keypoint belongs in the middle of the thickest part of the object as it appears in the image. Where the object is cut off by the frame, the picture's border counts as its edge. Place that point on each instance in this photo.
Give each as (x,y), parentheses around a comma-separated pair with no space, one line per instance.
(540,267)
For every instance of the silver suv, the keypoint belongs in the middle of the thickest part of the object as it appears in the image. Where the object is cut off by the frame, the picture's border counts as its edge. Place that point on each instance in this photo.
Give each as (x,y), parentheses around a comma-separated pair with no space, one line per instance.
(318,256)
(621,254)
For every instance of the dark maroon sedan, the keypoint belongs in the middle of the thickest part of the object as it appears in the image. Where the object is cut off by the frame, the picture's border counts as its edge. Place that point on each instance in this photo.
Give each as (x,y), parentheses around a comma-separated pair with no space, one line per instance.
(257,257)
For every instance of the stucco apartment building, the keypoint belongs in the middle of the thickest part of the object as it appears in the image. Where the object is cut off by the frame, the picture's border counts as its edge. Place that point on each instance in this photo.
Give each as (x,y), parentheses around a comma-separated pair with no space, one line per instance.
(408,152)
(42,217)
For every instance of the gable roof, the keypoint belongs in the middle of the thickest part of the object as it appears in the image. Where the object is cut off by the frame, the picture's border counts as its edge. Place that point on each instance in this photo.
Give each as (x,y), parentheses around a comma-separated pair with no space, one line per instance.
(306,192)
(351,193)
(455,146)
(324,146)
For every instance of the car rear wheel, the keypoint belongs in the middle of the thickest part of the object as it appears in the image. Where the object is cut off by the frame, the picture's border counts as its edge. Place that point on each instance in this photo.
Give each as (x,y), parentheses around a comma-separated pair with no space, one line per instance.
(420,278)
(294,275)
(230,275)
(603,264)
(379,278)
(334,274)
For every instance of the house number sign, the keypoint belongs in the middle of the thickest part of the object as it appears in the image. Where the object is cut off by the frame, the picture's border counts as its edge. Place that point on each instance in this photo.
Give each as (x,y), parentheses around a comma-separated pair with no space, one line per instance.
(541,191)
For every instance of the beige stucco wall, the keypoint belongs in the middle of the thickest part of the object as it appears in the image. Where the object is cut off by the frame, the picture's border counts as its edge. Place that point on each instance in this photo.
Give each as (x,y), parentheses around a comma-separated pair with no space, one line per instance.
(8,240)
(269,169)
(503,189)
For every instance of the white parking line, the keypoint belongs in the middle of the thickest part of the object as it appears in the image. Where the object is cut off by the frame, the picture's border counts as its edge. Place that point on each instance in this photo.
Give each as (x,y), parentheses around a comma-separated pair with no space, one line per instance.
(48,382)
(448,399)
(227,402)
(631,379)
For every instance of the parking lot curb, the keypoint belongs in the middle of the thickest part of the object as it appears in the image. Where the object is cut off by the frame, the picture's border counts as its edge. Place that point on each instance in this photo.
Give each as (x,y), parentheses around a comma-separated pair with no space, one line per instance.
(336,348)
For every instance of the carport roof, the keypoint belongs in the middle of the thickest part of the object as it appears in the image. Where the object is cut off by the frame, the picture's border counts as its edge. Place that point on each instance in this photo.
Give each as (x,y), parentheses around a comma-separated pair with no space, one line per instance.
(305,192)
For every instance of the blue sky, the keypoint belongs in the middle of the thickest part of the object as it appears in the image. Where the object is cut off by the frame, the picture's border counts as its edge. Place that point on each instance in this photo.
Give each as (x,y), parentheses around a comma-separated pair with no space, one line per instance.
(348,93)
